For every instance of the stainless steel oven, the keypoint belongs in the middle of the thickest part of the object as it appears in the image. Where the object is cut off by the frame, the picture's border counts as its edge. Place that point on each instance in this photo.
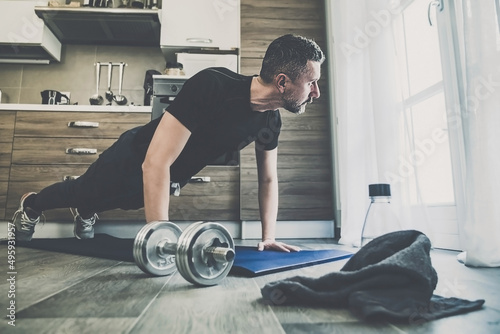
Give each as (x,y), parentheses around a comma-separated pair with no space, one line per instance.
(165,89)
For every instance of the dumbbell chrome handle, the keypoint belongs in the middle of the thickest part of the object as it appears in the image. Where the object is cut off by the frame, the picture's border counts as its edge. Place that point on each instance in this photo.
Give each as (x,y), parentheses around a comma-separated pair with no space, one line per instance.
(220,254)
(165,247)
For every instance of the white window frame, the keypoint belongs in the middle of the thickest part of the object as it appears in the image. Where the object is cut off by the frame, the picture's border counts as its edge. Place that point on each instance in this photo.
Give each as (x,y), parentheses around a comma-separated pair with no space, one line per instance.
(446,218)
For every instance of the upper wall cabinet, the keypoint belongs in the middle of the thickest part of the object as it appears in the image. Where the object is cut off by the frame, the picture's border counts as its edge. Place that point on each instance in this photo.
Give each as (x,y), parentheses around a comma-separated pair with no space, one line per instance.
(24,38)
(108,26)
(212,24)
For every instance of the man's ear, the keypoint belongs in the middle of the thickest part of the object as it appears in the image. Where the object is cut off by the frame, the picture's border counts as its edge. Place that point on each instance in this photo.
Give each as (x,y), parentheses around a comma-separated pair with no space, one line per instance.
(280,81)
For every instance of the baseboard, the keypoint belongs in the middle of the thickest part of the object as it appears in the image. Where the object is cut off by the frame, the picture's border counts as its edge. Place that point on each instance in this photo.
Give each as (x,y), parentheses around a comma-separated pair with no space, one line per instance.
(292,229)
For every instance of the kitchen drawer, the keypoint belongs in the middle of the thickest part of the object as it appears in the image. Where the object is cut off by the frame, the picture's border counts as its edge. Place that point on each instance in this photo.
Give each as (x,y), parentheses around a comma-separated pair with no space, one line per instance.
(77,124)
(52,151)
(215,200)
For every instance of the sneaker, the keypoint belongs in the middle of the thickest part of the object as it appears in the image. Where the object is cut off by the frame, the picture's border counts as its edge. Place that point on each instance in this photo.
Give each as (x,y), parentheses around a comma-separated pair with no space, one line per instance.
(84,228)
(25,226)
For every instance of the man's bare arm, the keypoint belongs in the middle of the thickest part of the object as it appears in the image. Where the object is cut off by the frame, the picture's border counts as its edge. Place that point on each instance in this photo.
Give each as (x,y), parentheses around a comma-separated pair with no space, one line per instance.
(268,200)
(168,141)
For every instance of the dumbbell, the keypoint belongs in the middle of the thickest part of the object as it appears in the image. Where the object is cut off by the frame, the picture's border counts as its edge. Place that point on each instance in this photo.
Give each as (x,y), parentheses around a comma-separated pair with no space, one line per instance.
(203,253)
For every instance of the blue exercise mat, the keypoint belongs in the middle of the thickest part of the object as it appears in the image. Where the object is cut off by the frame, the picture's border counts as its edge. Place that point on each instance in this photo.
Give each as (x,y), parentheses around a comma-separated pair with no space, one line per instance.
(250,262)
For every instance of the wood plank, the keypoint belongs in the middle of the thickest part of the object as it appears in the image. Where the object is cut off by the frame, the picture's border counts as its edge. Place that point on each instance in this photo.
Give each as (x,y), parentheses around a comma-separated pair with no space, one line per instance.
(269,4)
(307,11)
(7,121)
(3,197)
(287,161)
(229,307)
(72,325)
(121,291)
(293,176)
(5,153)
(288,212)
(41,274)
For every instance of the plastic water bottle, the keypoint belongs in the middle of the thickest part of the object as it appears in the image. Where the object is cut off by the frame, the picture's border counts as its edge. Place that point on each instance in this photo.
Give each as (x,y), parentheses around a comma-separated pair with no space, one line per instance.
(380,218)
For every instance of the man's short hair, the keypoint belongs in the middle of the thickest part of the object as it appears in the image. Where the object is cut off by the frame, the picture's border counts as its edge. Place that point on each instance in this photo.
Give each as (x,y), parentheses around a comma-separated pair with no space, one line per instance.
(289,54)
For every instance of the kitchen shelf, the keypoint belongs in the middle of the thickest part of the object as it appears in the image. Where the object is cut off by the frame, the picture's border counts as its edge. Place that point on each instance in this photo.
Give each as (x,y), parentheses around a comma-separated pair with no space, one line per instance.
(106,26)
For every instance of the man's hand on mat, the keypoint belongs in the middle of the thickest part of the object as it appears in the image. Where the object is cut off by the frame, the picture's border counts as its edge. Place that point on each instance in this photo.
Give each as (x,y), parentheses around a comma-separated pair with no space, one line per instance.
(271,244)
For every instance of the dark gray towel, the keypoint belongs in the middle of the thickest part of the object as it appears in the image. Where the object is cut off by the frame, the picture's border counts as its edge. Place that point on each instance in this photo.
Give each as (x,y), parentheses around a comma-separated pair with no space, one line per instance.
(391,278)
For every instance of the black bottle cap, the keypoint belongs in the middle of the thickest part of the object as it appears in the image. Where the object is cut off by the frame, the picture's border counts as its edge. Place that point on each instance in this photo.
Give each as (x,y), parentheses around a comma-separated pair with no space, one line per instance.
(379,189)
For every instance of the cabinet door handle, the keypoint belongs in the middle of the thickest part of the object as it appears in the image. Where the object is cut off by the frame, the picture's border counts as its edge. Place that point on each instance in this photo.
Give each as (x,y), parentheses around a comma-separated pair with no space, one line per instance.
(83,124)
(70,177)
(199,40)
(81,151)
(200,179)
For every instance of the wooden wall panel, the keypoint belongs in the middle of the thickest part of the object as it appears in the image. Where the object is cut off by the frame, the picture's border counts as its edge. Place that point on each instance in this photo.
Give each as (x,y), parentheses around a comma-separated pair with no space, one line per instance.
(7,121)
(304,160)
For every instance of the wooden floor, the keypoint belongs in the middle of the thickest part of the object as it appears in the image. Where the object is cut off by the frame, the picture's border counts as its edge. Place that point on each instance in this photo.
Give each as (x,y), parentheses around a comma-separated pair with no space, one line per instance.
(63,293)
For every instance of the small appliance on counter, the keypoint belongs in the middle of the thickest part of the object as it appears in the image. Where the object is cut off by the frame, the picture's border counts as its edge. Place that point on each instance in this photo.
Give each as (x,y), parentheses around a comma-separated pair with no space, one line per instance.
(148,86)
(54,97)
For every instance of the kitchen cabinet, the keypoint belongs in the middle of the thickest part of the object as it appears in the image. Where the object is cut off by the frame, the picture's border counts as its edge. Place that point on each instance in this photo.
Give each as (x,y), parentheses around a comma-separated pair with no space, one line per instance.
(38,142)
(200,24)
(23,36)
(107,26)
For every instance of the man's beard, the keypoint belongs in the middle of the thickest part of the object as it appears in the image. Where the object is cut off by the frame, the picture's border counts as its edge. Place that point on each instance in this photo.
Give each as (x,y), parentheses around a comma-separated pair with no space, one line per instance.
(294,106)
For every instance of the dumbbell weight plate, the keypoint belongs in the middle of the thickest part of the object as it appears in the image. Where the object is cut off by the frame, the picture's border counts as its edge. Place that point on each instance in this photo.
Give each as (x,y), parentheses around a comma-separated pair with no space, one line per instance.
(146,248)
(193,263)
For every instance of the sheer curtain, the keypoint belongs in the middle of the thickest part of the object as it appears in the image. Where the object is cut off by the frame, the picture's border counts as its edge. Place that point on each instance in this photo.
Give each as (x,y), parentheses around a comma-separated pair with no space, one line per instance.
(368,109)
(479,38)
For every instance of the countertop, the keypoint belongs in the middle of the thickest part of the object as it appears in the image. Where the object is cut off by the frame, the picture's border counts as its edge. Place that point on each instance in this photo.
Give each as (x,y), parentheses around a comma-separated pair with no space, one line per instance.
(47,107)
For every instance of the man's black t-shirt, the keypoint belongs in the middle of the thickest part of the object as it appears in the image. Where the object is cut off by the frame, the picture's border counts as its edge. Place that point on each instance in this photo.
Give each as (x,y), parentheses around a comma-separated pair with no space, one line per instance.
(215,106)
